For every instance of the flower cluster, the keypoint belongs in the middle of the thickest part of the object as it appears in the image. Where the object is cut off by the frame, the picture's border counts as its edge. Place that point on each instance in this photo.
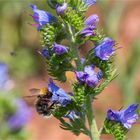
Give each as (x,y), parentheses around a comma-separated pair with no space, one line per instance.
(89,76)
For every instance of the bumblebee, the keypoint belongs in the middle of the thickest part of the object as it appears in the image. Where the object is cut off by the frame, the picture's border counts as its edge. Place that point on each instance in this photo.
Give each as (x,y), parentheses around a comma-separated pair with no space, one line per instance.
(44,106)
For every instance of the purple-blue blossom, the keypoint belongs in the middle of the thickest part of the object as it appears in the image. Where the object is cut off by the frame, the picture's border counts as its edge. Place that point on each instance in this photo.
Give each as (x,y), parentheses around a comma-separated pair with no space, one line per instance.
(89,2)
(22,115)
(100,75)
(126,117)
(90,25)
(88,76)
(41,17)
(4,77)
(92,20)
(88,31)
(45,53)
(82,60)
(73,115)
(60,9)
(59,49)
(58,94)
(105,49)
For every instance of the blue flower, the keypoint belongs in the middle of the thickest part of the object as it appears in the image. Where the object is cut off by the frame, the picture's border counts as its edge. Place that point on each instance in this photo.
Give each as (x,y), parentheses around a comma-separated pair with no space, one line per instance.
(21,116)
(58,94)
(100,75)
(59,49)
(41,17)
(90,25)
(4,77)
(82,60)
(73,115)
(45,53)
(89,2)
(88,76)
(92,20)
(105,49)
(88,31)
(126,117)
(60,9)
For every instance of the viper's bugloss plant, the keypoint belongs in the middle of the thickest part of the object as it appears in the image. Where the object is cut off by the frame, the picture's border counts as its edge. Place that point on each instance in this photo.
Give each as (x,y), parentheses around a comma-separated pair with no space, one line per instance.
(61,37)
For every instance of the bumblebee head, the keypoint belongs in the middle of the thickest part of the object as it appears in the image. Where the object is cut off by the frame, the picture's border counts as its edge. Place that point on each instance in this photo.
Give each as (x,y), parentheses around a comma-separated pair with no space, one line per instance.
(44,91)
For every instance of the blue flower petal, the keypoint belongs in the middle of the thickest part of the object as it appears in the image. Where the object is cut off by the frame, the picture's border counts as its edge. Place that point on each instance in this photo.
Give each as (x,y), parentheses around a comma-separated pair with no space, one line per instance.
(60,9)
(89,2)
(73,115)
(41,17)
(59,95)
(88,76)
(59,49)
(4,76)
(92,20)
(45,53)
(81,76)
(90,25)
(90,70)
(127,116)
(105,49)
(100,75)
(92,81)
(88,31)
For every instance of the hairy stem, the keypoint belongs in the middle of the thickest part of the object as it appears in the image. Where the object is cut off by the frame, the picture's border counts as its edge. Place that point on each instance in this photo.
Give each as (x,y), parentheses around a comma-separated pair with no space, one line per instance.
(74,48)
(91,120)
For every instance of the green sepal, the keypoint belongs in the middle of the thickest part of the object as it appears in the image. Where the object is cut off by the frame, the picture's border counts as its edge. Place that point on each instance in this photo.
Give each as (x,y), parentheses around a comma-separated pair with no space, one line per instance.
(74,19)
(105,66)
(98,89)
(61,111)
(76,126)
(79,5)
(50,33)
(58,65)
(79,94)
(97,38)
(73,125)
(115,128)
(70,126)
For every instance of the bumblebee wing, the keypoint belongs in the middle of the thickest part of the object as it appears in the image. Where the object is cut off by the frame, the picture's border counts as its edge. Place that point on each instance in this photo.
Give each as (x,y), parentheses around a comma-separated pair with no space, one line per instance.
(34,91)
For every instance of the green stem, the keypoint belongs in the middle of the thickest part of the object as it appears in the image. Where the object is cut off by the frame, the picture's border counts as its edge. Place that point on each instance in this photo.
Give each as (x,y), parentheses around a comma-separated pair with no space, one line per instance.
(91,120)
(74,48)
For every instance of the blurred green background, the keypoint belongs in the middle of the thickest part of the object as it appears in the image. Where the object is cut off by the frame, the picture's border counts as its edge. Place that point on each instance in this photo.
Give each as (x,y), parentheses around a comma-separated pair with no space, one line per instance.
(19,43)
